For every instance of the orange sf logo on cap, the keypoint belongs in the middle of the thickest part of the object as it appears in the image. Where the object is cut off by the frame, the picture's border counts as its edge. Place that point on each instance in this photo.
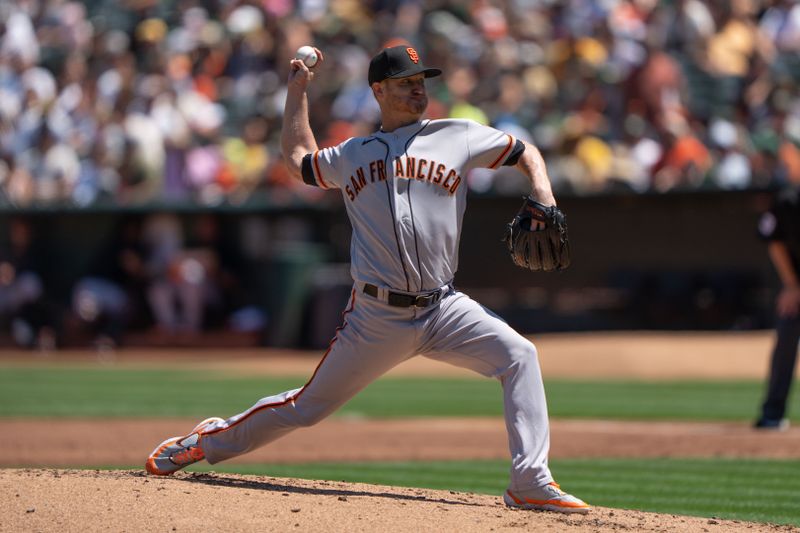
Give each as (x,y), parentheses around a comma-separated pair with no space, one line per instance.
(412,54)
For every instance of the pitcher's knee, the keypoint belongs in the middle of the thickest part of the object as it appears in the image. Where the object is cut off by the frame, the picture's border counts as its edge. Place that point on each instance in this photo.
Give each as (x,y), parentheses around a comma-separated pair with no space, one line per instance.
(524,351)
(523,358)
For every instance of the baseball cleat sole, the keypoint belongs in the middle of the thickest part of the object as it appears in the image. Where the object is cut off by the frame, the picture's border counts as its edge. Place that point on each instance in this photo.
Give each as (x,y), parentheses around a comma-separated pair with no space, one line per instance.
(559,502)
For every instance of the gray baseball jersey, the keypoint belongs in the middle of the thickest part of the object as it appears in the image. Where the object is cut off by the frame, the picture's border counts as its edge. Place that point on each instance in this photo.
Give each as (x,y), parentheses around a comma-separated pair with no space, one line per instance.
(405,193)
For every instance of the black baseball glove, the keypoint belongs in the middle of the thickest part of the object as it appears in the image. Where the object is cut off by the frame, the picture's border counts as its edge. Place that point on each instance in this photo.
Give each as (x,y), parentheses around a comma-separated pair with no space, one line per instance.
(537,237)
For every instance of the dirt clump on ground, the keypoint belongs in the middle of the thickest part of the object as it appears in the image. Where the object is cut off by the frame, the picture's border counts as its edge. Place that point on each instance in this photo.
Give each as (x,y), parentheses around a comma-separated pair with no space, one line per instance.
(88,501)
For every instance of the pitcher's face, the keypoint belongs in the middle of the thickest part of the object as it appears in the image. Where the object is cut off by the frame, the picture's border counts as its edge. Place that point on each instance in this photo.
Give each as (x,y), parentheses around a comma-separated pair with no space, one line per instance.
(403,96)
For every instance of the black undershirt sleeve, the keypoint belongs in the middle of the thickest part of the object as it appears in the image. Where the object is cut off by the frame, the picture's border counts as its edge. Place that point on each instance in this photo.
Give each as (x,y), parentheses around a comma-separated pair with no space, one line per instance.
(308,172)
(513,157)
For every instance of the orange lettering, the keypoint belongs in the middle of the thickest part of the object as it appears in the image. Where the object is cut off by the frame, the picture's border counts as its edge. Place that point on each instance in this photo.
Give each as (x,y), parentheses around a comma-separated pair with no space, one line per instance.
(455,185)
(381,171)
(447,180)
(355,184)
(372,171)
(398,168)
(411,163)
(349,192)
(422,163)
(439,173)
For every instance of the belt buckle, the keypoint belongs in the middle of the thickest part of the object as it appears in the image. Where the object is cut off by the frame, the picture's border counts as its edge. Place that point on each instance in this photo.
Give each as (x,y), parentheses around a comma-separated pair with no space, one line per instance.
(426,300)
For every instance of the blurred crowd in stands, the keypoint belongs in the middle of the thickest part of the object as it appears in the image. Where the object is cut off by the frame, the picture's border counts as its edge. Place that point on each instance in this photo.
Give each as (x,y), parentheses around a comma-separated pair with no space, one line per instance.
(142,102)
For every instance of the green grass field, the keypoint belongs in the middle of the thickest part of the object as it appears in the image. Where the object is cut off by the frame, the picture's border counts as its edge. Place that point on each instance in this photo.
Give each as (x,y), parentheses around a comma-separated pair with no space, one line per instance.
(758,490)
(45,392)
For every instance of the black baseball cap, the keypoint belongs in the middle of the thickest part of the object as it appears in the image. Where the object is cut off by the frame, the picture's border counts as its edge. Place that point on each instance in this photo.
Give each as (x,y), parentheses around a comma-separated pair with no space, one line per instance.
(398,62)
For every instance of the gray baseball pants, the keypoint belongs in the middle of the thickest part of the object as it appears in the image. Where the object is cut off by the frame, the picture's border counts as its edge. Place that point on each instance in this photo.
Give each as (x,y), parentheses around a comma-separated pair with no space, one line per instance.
(374,338)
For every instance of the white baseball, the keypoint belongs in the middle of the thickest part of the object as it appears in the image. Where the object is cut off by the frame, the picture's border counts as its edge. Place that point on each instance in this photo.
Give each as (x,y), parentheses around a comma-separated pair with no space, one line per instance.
(307,55)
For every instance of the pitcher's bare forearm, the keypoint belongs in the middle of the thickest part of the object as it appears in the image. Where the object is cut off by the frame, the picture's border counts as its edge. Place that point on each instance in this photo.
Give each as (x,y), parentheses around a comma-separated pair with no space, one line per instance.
(531,163)
(297,139)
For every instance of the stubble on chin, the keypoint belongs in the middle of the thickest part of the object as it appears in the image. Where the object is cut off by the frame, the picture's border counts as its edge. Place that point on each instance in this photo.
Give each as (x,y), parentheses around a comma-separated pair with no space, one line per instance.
(418,106)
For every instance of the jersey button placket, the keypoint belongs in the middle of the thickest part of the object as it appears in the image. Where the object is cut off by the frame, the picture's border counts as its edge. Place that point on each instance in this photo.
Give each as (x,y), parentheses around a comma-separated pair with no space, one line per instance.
(397,207)
(403,216)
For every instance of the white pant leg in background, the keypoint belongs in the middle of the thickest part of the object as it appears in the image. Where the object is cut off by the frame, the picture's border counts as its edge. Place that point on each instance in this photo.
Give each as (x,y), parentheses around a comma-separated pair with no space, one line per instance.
(373,339)
(463,333)
(161,298)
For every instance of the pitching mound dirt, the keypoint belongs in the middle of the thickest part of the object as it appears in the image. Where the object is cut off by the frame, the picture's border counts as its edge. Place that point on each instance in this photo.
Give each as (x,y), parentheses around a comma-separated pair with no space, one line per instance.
(92,501)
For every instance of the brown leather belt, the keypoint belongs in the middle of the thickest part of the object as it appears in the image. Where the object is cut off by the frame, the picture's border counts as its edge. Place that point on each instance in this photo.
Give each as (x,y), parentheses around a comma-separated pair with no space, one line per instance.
(397,299)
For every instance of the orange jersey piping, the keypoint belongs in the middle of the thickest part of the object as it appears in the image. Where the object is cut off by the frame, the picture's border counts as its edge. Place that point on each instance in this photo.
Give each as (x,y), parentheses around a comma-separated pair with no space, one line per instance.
(505,152)
(320,179)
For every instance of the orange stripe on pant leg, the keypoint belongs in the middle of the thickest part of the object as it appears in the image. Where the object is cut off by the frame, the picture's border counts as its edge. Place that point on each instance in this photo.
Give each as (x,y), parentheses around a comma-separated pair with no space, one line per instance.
(295,397)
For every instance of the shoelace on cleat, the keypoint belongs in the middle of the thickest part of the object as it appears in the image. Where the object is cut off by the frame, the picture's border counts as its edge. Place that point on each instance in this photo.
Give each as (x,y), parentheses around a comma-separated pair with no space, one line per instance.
(189,455)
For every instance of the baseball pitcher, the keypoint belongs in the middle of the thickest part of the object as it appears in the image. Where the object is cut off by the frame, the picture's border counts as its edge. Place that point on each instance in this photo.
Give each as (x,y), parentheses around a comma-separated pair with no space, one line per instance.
(405,193)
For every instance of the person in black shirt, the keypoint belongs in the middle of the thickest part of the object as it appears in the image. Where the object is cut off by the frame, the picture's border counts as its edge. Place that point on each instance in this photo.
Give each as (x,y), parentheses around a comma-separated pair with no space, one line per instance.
(780,227)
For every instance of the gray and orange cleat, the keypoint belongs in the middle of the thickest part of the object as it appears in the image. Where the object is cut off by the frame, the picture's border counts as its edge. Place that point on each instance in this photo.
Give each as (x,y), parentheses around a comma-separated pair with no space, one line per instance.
(179,452)
(548,497)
